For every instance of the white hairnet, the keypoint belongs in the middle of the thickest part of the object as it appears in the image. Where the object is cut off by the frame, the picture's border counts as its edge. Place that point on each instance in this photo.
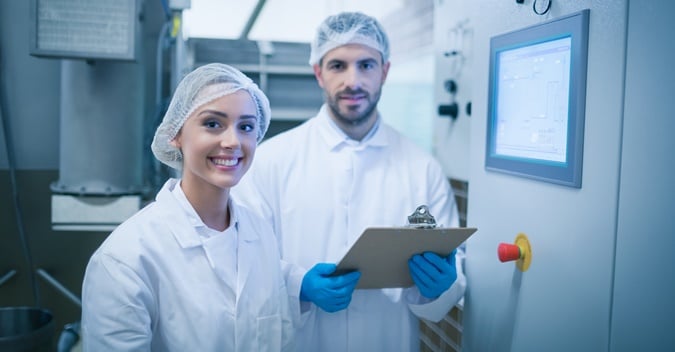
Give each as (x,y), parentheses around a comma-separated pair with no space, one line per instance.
(202,86)
(349,28)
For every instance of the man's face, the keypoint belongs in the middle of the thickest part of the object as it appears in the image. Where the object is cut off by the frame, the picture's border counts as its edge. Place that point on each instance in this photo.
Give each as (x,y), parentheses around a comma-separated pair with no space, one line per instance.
(351,77)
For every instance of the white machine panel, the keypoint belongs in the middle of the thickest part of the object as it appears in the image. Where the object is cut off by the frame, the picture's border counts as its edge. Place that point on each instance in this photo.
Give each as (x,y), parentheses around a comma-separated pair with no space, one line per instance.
(91,213)
(563,301)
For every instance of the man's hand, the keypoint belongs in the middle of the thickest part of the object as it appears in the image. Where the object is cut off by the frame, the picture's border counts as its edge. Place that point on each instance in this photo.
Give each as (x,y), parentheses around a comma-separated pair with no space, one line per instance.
(330,293)
(432,274)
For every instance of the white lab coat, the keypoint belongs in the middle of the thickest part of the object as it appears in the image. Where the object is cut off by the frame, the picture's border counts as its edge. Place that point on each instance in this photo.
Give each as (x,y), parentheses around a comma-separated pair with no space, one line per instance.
(320,192)
(155,285)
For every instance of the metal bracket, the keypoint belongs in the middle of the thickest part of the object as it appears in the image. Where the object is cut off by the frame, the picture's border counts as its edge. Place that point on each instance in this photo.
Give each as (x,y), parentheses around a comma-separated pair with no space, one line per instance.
(59,287)
(421,218)
(7,276)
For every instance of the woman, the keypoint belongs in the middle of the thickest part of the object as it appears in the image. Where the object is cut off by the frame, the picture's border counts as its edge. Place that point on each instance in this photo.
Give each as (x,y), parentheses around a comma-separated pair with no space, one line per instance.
(193,271)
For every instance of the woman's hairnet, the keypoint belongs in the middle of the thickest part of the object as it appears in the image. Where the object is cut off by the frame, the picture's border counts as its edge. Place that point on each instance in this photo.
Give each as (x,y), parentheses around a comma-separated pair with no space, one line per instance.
(349,28)
(202,86)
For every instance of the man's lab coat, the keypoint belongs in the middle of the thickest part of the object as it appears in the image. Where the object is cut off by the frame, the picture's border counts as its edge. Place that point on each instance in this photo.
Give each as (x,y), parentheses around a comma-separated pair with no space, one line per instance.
(321,192)
(155,285)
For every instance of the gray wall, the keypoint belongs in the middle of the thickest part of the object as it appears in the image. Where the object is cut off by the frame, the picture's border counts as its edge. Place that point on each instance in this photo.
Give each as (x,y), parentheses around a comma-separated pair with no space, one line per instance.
(644,283)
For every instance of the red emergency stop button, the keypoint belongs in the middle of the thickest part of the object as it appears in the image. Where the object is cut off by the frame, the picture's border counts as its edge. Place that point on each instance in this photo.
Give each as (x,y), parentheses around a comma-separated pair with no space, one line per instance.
(508,252)
(520,251)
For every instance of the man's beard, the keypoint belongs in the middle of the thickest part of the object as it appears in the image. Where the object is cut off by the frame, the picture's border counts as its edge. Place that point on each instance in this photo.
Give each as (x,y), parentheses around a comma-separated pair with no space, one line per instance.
(353,120)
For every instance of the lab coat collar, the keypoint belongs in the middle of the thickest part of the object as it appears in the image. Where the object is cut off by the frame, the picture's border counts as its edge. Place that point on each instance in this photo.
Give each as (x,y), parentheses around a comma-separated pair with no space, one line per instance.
(190,239)
(184,203)
(176,214)
(335,137)
(194,218)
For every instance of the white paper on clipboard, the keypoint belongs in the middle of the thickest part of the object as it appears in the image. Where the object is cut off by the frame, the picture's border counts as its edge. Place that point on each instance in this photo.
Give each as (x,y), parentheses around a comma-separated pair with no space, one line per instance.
(381,254)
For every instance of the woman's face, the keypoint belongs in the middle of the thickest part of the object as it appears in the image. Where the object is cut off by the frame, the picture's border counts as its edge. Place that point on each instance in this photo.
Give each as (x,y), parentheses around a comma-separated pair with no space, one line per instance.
(218,142)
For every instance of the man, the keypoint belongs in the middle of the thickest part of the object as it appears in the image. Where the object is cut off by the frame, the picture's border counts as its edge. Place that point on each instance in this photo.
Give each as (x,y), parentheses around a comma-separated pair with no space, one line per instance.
(323,183)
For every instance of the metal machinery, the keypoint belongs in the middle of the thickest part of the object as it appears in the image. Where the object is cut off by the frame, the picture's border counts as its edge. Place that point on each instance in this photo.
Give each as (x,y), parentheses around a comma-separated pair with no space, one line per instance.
(106,170)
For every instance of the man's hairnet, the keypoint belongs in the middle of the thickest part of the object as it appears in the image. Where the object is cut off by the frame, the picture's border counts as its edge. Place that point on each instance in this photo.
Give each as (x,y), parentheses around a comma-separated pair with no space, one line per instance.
(202,86)
(349,28)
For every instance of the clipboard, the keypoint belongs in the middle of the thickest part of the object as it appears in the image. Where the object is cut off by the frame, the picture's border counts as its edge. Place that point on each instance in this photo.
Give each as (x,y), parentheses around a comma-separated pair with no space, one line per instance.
(381,253)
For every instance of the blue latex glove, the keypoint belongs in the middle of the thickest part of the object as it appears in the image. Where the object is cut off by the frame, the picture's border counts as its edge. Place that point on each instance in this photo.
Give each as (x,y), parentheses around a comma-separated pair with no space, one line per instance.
(330,293)
(432,274)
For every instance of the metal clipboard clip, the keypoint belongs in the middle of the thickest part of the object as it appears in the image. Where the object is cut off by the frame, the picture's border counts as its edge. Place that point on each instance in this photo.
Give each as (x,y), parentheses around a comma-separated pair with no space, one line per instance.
(421,218)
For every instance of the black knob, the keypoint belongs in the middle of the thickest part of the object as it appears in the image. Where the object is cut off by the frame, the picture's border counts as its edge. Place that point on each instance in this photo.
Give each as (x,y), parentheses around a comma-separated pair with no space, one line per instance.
(449,110)
(451,86)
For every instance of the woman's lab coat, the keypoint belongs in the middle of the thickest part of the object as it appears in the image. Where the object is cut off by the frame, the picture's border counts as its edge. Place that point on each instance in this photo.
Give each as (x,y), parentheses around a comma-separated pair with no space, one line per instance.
(321,192)
(155,285)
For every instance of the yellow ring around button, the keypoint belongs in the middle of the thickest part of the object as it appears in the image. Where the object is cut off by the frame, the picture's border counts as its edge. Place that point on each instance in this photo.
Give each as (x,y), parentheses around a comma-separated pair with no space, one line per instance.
(525,252)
